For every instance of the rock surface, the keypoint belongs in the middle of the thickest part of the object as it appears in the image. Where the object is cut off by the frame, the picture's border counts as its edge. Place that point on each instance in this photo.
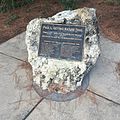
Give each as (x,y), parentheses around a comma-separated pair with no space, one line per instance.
(63,76)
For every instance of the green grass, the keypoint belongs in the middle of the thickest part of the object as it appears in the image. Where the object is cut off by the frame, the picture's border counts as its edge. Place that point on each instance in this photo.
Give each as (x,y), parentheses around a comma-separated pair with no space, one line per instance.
(11,19)
(111,2)
(6,5)
(69,4)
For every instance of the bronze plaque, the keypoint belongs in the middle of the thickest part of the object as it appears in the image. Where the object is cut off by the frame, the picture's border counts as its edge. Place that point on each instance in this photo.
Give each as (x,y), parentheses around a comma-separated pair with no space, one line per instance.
(62,41)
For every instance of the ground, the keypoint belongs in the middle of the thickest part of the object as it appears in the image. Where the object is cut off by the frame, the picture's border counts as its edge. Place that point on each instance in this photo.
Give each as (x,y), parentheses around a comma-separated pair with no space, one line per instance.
(15,21)
(19,101)
(101,101)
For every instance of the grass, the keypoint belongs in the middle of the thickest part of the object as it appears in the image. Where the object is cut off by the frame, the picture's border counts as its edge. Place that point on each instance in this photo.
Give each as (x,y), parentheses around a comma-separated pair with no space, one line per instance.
(6,5)
(11,19)
(69,4)
(111,2)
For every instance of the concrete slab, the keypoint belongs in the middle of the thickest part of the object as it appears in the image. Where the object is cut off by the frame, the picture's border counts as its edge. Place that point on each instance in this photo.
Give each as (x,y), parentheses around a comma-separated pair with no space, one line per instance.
(104,78)
(88,107)
(15,47)
(17,98)
(16,95)
(110,49)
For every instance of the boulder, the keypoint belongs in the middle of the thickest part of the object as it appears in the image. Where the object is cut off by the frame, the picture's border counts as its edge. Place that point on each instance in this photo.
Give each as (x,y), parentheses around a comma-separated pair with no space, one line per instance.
(61,75)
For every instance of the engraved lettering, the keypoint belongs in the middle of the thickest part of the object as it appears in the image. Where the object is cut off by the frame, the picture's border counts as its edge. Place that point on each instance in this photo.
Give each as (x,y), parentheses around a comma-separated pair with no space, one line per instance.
(62,41)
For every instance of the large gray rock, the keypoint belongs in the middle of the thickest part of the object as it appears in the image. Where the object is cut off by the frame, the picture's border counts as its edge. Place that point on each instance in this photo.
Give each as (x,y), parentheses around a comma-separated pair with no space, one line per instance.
(63,74)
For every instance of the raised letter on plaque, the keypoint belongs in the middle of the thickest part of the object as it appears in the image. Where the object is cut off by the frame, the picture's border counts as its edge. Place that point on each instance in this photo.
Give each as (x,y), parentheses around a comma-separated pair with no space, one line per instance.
(62,41)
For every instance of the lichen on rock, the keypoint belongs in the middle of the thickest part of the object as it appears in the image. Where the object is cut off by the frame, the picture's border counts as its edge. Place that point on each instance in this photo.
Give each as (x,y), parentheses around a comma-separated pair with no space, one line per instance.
(63,76)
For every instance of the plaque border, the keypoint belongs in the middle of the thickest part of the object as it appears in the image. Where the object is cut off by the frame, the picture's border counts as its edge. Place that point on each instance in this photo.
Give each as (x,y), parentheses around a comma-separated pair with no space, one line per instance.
(61,24)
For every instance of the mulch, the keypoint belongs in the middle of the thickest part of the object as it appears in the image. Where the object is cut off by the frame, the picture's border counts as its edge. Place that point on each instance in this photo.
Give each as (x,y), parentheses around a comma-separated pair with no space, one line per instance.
(15,21)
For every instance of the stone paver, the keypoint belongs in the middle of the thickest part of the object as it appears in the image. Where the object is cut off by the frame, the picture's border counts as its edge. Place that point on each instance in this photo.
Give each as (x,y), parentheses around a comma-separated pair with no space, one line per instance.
(87,107)
(15,47)
(110,49)
(17,99)
(103,78)
(16,95)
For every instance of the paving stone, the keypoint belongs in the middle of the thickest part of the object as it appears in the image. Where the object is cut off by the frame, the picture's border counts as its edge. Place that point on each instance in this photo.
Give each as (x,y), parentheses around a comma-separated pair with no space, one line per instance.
(15,47)
(110,49)
(87,107)
(17,96)
(104,78)
(17,99)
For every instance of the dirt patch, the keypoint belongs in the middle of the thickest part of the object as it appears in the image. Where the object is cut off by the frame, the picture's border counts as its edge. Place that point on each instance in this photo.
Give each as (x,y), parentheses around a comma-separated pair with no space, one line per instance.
(18,78)
(28,69)
(91,95)
(118,69)
(25,65)
(15,21)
